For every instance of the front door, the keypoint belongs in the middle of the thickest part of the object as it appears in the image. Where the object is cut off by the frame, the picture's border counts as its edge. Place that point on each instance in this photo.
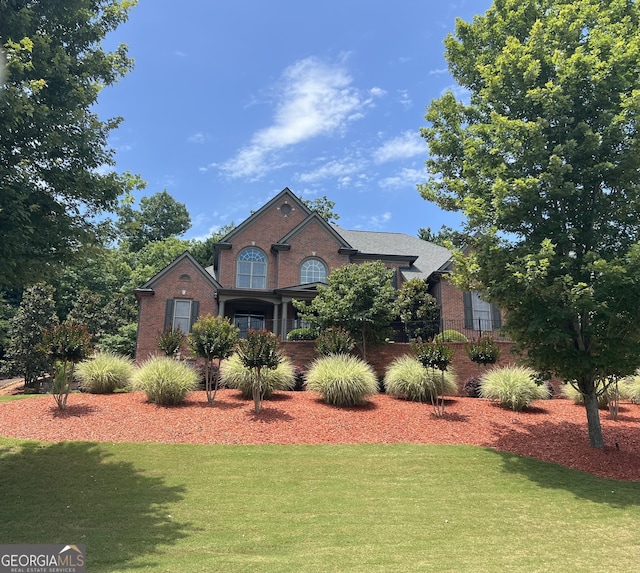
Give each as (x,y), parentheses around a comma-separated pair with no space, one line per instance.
(246,322)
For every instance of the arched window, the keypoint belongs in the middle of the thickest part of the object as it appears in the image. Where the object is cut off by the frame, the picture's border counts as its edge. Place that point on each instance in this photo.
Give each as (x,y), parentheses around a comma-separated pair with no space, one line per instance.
(252,269)
(313,271)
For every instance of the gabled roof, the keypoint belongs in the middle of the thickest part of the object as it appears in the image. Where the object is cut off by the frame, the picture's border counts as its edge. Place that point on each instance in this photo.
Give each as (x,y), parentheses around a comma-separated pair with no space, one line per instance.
(317,218)
(188,256)
(423,258)
(286,195)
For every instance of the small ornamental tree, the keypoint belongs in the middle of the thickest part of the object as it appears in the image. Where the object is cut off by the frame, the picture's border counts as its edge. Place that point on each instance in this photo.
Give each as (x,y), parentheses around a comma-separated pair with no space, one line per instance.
(211,338)
(418,310)
(66,344)
(260,349)
(436,356)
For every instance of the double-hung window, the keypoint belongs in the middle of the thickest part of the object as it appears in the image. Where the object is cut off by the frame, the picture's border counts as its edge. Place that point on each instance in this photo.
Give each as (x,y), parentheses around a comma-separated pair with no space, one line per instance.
(480,314)
(181,313)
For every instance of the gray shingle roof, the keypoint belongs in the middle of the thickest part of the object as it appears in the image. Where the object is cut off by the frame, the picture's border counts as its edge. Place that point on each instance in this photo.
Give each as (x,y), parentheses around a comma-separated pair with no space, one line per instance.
(431,257)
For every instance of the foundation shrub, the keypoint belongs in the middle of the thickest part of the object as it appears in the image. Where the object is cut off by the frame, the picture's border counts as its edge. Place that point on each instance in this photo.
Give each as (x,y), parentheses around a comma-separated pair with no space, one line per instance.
(342,379)
(513,386)
(165,381)
(407,379)
(302,334)
(472,387)
(450,336)
(334,340)
(234,374)
(105,373)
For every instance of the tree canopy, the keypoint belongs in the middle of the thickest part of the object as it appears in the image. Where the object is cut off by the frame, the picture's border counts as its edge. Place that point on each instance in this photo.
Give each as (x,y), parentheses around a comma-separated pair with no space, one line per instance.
(55,164)
(159,217)
(542,156)
(357,297)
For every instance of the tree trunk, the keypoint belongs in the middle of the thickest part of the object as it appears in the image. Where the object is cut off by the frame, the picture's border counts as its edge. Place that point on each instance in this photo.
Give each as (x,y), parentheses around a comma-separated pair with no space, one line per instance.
(593,420)
(257,392)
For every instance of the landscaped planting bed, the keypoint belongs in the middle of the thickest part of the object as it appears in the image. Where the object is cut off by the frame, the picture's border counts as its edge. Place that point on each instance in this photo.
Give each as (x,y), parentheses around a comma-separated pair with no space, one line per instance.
(553,430)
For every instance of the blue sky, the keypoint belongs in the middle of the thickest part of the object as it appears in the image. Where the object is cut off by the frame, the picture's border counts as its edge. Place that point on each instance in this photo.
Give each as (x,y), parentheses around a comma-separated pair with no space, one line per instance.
(230,102)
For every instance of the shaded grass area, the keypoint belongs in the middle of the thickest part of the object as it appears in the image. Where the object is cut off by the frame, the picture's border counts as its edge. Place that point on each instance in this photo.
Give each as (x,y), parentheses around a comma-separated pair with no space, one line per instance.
(157,507)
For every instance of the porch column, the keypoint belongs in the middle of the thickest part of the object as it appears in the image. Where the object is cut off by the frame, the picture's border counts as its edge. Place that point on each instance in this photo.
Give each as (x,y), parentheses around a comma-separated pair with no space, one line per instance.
(220,306)
(285,308)
(275,319)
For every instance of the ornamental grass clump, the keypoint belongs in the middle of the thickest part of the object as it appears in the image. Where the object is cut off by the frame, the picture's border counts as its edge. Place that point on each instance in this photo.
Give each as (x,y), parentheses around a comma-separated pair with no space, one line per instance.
(630,388)
(234,374)
(105,373)
(407,379)
(165,381)
(513,386)
(342,379)
(569,391)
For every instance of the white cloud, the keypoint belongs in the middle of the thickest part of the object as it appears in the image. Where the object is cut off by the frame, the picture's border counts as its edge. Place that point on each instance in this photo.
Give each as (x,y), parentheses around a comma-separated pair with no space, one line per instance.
(404,178)
(337,169)
(197,138)
(438,71)
(377,92)
(378,221)
(409,144)
(314,99)
(404,99)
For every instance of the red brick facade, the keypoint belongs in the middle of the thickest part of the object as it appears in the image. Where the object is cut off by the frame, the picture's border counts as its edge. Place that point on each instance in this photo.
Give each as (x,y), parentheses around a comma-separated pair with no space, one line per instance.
(287,233)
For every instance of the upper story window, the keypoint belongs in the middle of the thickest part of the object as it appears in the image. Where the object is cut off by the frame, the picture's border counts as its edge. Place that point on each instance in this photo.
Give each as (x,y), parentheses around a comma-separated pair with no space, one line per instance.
(252,269)
(313,271)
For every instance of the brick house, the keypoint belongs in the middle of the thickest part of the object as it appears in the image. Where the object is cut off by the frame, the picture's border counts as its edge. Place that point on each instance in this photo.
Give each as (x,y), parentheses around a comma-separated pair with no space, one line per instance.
(280,253)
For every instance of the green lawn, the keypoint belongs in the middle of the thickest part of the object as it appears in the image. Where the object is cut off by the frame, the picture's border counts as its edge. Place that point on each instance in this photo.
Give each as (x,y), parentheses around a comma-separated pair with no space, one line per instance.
(372,508)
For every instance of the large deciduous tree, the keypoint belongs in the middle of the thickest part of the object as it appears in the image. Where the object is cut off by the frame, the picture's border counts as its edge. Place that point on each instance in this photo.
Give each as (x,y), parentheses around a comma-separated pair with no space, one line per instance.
(542,156)
(55,165)
(358,297)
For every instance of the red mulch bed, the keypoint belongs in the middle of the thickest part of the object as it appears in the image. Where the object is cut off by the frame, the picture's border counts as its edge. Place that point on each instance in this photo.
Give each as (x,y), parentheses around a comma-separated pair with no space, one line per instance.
(553,430)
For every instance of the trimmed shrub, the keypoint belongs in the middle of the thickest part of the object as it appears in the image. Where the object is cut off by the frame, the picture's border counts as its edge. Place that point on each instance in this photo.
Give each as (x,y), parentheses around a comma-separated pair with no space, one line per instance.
(170,341)
(302,334)
(483,351)
(165,381)
(450,336)
(334,340)
(568,391)
(472,387)
(407,379)
(342,379)
(104,373)
(234,374)
(513,386)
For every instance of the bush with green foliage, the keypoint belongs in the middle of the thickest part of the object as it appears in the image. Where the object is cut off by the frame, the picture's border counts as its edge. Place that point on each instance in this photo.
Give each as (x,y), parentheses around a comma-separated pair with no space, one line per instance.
(104,373)
(123,342)
(334,340)
(407,379)
(418,309)
(164,380)
(513,386)
(342,379)
(234,374)
(302,334)
(25,356)
(483,351)
(450,336)
(569,391)
(170,341)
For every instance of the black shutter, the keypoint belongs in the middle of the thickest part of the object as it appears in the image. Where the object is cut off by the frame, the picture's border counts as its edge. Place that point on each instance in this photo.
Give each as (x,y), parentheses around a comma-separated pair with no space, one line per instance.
(195,309)
(496,316)
(168,314)
(468,310)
